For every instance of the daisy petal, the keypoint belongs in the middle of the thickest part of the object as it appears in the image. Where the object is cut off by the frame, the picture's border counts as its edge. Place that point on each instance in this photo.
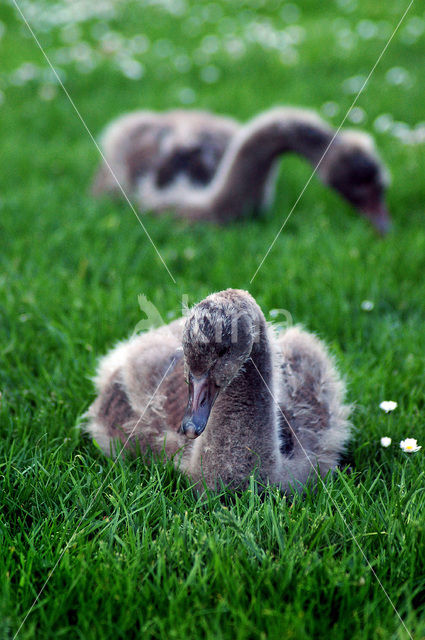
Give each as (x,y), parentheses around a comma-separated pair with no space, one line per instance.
(388,405)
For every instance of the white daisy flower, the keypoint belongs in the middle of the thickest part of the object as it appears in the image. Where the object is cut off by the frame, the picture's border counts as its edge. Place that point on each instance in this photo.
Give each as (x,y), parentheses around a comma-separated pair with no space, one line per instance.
(367,305)
(410,445)
(388,405)
(385,441)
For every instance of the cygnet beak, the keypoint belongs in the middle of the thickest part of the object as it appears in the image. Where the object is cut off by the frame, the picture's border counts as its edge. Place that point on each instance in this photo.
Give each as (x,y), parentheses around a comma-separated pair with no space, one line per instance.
(202,394)
(378,215)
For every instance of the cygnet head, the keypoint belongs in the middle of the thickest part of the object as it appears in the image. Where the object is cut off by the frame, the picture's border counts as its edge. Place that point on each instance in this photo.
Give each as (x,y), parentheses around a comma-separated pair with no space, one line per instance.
(352,168)
(218,338)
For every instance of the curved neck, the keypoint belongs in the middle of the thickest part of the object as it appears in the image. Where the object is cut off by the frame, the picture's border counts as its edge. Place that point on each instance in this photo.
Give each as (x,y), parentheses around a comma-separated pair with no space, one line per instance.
(242,433)
(243,173)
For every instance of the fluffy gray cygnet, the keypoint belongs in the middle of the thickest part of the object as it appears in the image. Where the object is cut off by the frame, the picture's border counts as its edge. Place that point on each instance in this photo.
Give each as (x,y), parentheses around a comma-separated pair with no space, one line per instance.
(208,167)
(224,395)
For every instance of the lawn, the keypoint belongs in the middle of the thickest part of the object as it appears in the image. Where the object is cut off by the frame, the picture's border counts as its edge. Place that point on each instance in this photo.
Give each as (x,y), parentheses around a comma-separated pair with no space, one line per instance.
(129,550)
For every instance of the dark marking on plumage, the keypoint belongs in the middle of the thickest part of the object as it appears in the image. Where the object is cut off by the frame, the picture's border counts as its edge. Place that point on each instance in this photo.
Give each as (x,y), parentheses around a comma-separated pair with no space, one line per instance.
(115,410)
(198,162)
(188,162)
(286,439)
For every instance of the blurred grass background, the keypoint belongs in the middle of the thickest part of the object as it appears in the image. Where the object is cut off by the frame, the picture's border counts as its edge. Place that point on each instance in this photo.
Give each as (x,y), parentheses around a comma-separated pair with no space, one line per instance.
(150,560)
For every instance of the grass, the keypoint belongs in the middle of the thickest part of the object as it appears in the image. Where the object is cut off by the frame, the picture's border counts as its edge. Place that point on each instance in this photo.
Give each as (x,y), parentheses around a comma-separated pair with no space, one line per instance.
(147,557)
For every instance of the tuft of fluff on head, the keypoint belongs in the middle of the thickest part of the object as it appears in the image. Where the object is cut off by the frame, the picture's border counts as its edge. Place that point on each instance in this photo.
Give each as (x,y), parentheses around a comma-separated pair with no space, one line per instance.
(223,327)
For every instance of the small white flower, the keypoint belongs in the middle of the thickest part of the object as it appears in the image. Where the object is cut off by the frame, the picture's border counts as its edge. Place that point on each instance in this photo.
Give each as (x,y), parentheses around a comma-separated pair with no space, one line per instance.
(367,305)
(388,405)
(385,441)
(410,445)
